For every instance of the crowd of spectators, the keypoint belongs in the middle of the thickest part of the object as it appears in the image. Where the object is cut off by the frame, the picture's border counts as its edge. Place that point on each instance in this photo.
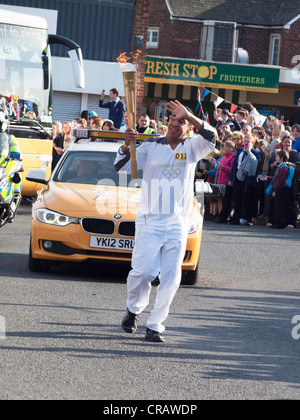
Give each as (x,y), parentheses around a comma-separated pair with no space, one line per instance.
(243,164)
(250,158)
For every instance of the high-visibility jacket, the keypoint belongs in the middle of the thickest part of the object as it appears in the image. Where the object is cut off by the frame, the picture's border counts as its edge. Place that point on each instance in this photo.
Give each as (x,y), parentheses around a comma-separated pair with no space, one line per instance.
(148,130)
(9,144)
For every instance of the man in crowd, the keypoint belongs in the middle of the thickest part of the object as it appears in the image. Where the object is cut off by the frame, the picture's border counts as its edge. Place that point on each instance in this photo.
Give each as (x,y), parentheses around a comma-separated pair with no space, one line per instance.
(242,179)
(143,126)
(115,106)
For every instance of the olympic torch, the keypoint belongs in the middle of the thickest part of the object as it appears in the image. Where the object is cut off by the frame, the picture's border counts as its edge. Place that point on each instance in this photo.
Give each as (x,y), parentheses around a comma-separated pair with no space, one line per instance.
(130,83)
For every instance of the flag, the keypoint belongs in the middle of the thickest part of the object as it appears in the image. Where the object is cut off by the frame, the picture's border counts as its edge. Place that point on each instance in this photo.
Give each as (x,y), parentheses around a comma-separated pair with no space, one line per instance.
(232,108)
(205,93)
(263,119)
(215,162)
(218,101)
(200,110)
(199,101)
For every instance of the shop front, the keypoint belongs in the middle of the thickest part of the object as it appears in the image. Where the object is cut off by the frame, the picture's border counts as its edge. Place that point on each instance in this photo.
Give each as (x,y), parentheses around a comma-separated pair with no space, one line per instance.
(216,84)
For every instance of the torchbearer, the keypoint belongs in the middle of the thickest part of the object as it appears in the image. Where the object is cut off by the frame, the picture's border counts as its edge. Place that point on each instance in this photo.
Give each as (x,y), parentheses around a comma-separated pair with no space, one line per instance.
(162,219)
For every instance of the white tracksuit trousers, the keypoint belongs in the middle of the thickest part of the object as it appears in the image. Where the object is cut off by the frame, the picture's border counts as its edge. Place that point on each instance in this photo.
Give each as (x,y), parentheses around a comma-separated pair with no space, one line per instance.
(159,250)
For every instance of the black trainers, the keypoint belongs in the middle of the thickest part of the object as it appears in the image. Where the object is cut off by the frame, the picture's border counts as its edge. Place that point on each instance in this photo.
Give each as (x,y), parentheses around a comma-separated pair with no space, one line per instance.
(129,322)
(154,336)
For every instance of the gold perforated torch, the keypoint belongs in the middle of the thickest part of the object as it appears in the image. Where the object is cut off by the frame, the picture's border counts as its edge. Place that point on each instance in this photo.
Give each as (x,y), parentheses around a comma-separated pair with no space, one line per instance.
(130,82)
(130,88)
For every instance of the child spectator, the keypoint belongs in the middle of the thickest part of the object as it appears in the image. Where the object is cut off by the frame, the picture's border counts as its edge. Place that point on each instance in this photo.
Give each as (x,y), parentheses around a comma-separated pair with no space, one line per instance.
(241,117)
(162,130)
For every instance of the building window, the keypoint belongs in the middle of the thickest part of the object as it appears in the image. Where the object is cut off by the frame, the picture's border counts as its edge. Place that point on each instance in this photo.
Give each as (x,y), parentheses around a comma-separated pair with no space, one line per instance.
(152,38)
(274,50)
(224,41)
(218,41)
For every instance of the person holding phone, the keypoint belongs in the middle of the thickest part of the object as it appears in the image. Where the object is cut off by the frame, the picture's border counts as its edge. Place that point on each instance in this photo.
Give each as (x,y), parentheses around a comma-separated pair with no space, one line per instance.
(115,105)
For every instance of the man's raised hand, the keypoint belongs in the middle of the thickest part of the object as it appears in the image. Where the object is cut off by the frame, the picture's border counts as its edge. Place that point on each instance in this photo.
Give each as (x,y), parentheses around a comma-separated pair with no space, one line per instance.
(178,111)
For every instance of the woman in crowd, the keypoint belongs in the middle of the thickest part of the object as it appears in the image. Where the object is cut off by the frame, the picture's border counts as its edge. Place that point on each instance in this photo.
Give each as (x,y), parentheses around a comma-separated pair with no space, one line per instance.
(276,131)
(58,141)
(260,144)
(224,168)
(96,123)
(67,135)
(238,139)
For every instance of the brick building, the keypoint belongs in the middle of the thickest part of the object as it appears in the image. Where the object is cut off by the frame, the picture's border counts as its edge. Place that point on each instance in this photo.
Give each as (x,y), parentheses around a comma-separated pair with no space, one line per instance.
(258,41)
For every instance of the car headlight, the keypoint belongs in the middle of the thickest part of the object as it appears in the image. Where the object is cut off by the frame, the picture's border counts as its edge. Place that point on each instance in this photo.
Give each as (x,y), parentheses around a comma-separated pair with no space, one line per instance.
(193,226)
(54,218)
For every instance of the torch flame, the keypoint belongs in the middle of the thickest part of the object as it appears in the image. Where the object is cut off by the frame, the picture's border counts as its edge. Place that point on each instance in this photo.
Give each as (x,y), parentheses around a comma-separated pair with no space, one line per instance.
(135,54)
(124,59)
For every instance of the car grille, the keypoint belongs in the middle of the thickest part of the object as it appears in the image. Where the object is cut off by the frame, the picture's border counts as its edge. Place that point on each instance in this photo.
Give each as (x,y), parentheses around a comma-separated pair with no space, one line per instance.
(99,226)
(127,228)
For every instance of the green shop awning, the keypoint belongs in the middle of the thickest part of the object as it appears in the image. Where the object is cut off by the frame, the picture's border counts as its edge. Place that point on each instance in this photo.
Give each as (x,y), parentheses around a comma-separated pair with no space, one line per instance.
(202,73)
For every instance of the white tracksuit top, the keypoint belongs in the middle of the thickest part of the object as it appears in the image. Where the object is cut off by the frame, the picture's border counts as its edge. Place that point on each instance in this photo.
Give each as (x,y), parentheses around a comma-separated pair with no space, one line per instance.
(168,176)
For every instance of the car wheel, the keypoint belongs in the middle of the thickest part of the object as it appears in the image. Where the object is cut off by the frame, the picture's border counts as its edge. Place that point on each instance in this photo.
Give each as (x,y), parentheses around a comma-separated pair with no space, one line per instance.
(36,265)
(189,278)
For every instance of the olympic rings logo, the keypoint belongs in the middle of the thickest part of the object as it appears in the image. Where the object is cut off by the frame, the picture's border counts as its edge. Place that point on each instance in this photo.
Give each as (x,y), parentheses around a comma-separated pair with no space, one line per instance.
(171,173)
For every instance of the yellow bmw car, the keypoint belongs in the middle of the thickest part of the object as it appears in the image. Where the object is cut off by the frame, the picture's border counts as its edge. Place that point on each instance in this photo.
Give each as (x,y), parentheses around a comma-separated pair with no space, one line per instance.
(86,211)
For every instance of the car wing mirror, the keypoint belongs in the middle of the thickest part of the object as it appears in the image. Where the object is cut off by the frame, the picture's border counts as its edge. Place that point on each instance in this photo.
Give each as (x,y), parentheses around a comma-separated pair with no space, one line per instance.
(38,176)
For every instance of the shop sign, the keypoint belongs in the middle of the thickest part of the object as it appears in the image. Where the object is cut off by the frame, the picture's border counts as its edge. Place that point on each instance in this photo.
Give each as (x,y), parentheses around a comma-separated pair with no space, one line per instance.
(219,75)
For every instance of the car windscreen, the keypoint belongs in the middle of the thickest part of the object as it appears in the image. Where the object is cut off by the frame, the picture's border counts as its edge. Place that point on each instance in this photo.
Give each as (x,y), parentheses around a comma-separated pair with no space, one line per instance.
(95,168)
